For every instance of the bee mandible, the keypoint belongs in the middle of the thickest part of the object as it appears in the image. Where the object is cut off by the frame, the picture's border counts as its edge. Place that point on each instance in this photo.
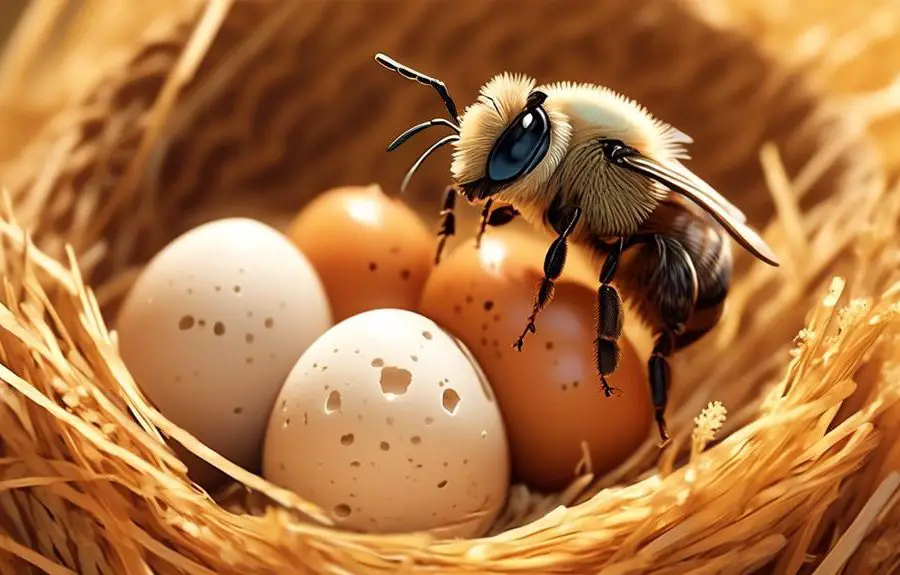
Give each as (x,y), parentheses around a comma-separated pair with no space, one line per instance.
(595,168)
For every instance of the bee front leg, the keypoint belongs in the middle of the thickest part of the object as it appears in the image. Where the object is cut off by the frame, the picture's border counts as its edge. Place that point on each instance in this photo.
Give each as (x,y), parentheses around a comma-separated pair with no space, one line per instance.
(554,262)
(447,226)
(609,320)
(495,217)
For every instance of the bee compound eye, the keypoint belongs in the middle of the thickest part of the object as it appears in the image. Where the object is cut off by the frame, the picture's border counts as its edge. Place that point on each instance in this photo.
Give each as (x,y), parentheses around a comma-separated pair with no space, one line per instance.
(520,147)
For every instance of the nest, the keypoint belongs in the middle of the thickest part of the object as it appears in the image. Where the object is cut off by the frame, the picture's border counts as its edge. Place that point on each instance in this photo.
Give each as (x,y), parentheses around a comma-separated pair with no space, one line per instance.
(252,108)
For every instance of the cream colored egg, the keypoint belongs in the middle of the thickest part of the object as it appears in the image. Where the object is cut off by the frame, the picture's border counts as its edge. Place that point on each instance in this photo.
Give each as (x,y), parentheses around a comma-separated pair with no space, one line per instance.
(214,325)
(387,424)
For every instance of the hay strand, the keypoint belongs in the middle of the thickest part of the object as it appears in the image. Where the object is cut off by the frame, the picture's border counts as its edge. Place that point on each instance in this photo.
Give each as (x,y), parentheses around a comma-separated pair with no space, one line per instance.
(195,49)
(883,499)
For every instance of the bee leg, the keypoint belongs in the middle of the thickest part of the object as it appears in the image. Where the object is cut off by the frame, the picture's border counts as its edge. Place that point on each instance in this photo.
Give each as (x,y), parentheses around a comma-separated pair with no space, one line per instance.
(502,216)
(494,218)
(554,262)
(448,222)
(609,321)
(672,292)
(660,377)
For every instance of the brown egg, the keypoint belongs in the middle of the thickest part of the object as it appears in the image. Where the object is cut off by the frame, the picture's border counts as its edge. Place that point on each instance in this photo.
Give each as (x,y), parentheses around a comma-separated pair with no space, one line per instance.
(370,251)
(549,393)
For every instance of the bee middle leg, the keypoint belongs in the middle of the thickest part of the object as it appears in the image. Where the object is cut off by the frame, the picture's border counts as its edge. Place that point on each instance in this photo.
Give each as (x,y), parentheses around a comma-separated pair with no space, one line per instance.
(495,217)
(554,262)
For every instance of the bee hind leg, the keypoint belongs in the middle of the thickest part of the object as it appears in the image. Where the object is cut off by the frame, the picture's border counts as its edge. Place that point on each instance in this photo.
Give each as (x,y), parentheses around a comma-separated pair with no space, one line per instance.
(447,227)
(554,262)
(660,378)
(672,292)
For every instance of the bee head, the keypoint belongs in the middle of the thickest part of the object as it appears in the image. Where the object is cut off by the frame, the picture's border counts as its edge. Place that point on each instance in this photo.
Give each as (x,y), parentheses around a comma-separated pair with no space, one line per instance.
(507,143)
(510,141)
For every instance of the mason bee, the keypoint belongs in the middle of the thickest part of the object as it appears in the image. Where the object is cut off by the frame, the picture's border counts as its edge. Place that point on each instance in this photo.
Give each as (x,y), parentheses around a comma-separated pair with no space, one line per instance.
(595,168)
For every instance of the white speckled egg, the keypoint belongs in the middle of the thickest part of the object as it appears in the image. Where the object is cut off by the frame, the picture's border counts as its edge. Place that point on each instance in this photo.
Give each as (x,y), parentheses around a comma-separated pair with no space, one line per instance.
(212,328)
(388,424)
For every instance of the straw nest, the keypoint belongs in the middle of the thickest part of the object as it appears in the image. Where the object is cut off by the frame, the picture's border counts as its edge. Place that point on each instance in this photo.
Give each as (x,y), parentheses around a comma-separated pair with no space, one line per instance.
(251,108)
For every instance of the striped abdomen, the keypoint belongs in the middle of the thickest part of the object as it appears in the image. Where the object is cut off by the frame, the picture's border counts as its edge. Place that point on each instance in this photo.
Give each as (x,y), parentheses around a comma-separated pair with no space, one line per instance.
(678,273)
(713,264)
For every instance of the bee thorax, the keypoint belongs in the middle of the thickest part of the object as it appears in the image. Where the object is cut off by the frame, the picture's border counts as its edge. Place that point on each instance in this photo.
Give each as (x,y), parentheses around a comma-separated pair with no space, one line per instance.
(615,201)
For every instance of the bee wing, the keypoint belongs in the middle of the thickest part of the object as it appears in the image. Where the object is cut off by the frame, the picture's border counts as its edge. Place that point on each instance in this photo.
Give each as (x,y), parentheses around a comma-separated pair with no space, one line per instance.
(686,184)
(710,192)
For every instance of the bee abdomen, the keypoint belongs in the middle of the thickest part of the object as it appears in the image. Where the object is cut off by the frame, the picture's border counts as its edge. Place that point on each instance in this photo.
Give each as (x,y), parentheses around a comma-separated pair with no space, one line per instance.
(712,260)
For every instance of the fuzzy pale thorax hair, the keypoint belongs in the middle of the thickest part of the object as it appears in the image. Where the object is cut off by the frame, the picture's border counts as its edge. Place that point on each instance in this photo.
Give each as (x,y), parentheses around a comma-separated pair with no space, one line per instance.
(597,111)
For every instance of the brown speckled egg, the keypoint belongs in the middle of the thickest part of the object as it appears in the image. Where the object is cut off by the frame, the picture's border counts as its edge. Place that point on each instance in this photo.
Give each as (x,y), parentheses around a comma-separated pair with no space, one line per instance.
(549,393)
(371,251)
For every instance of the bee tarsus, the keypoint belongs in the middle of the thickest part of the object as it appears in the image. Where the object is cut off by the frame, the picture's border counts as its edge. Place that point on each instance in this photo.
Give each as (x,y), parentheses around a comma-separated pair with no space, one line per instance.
(554,262)
(609,391)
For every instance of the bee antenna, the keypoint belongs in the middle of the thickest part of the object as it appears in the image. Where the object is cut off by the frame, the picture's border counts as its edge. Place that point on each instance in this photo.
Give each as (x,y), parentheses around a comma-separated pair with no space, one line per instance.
(411,74)
(415,167)
(418,128)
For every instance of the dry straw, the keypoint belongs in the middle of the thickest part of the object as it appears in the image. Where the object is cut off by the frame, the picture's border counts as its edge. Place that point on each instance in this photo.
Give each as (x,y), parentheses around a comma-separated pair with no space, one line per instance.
(786,421)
